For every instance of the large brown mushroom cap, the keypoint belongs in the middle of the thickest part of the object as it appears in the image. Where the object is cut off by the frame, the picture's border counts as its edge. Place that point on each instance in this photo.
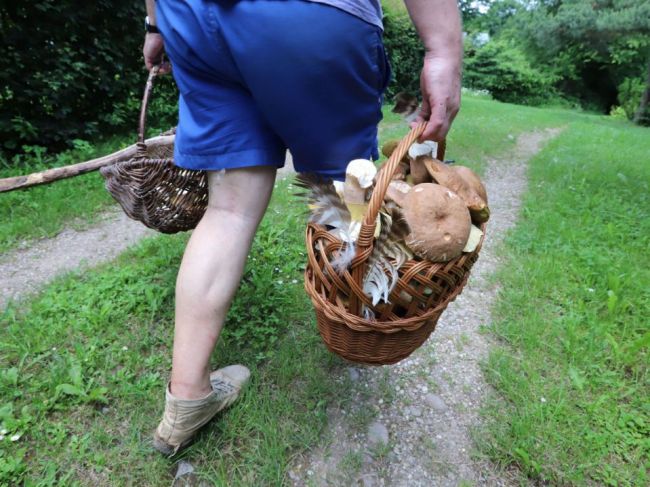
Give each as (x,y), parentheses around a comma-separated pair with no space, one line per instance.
(397,191)
(439,220)
(389,147)
(445,176)
(472,180)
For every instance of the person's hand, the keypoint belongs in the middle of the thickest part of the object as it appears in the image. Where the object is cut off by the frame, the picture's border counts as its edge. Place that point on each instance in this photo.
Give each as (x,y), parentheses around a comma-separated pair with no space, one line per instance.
(440,87)
(153,51)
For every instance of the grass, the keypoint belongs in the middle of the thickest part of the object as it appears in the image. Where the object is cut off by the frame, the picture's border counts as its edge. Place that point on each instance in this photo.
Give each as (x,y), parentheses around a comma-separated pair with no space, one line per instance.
(83,366)
(573,314)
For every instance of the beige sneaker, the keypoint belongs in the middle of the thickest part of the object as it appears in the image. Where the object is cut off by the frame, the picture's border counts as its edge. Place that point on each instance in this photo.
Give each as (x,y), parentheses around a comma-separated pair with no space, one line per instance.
(183,417)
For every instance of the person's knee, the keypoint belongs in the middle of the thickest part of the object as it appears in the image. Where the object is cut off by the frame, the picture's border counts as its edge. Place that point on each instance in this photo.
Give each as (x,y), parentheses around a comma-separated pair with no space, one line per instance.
(240,195)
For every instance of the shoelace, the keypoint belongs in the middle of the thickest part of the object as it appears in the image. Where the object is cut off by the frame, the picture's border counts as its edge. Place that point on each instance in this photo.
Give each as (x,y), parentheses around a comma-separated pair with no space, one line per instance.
(222,387)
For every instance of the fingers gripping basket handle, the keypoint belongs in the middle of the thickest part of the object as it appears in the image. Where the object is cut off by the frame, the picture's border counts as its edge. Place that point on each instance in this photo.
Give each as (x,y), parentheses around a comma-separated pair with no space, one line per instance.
(367,232)
(142,148)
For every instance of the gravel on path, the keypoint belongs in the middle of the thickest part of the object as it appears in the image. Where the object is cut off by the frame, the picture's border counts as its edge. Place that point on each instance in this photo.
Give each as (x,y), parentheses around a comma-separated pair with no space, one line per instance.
(25,270)
(410,424)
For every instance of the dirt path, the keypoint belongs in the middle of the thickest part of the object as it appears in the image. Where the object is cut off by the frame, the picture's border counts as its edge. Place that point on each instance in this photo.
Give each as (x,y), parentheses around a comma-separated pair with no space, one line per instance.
(24,271)
(411,424)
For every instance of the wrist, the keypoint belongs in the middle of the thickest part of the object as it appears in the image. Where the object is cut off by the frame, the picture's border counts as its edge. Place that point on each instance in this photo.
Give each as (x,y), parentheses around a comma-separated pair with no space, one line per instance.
(451,61)
(150,26)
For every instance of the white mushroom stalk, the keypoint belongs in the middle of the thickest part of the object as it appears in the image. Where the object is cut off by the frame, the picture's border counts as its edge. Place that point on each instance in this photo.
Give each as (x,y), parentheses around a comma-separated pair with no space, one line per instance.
(359,177)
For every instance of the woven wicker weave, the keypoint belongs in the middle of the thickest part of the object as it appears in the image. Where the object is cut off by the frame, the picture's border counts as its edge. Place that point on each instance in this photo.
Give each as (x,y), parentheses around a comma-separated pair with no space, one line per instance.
(422,293)
(151,189)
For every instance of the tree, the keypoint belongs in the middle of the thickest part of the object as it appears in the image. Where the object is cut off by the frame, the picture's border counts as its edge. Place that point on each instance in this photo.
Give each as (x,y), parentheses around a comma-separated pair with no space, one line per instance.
(598,43)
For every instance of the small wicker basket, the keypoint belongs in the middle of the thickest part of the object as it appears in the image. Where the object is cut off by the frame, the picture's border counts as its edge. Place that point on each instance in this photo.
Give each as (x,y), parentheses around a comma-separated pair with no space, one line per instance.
(151,189)
(422,293)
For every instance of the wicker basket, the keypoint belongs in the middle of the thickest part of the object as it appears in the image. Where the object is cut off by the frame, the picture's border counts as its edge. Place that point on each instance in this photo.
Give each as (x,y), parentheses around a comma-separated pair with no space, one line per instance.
(422,293)
(151,189)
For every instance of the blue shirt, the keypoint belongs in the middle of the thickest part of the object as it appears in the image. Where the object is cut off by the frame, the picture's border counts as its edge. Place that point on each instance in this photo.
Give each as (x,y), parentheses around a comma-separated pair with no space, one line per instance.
(368,10)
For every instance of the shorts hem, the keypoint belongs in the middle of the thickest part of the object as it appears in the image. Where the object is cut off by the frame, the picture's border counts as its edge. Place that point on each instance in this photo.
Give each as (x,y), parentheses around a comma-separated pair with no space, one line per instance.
(230,160)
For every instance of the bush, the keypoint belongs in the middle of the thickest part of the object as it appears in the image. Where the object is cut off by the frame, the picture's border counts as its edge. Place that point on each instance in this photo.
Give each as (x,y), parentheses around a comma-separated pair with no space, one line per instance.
(506,73)
(68,70)
(629,95)
(405,51)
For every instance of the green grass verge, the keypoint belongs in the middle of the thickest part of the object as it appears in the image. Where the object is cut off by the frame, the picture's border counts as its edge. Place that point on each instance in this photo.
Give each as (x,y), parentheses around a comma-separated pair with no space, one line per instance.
(573,313)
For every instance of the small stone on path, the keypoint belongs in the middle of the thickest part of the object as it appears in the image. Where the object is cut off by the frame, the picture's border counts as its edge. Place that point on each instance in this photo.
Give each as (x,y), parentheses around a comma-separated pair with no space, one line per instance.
(377,434)
(354,374)
(435,401)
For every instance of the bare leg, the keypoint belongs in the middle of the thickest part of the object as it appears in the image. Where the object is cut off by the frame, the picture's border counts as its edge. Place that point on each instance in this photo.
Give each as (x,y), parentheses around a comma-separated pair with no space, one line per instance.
(211,269)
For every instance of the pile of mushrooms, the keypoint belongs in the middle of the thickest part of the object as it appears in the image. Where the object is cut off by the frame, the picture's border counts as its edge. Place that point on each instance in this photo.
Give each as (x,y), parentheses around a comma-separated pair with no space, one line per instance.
(443,204)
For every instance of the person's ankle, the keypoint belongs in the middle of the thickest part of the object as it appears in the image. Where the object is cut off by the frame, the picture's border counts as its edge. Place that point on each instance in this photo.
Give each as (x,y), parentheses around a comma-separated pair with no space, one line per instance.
(190,392)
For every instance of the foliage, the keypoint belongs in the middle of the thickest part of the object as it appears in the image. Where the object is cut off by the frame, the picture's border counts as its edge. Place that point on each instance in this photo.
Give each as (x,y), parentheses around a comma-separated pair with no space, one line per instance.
(502,69)
(629,94)
(572,313)
(69,70)
(406,53)
(593,46)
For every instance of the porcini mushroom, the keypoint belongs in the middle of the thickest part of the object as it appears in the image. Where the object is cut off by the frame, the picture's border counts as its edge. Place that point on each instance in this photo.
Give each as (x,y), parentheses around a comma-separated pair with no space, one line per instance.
(439,220)
(359,177)
(474,239)
(472,179)
(419,173)
(397,191)
(389,147)
(445,176)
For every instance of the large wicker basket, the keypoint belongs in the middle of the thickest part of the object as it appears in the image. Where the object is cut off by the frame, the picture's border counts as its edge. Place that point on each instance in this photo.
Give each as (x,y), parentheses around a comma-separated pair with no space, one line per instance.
(151,189)
(422,293)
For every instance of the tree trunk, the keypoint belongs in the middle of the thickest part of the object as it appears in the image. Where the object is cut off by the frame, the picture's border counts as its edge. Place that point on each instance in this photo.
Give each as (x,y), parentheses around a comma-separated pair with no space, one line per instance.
(641,116)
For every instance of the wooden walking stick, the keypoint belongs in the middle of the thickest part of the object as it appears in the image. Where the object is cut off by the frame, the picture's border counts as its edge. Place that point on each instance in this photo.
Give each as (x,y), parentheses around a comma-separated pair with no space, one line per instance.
(50,175)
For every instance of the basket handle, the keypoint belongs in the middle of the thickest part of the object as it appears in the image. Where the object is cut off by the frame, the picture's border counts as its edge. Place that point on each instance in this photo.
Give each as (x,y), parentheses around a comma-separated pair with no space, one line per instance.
(367,232)
(142,148)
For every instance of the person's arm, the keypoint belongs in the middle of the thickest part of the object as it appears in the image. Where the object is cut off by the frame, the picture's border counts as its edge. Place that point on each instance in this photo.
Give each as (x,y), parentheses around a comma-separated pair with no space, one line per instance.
(438,25)
(154,48)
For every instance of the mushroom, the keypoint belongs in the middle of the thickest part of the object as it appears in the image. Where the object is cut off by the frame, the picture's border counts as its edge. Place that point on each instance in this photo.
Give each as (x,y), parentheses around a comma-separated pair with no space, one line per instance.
(416,150)
(389,147)
(472,179)
(419,173)
(359,177)
(445,176)
(475,235)
(403,169)
(401,172)
(397,191)
(439,220)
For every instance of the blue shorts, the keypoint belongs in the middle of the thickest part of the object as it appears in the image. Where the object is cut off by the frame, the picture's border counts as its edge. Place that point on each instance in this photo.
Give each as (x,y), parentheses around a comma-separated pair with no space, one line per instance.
(258,77)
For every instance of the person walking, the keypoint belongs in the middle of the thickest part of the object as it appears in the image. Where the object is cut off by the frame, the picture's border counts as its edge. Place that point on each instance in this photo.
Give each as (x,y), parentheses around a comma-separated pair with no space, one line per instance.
(258,77)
